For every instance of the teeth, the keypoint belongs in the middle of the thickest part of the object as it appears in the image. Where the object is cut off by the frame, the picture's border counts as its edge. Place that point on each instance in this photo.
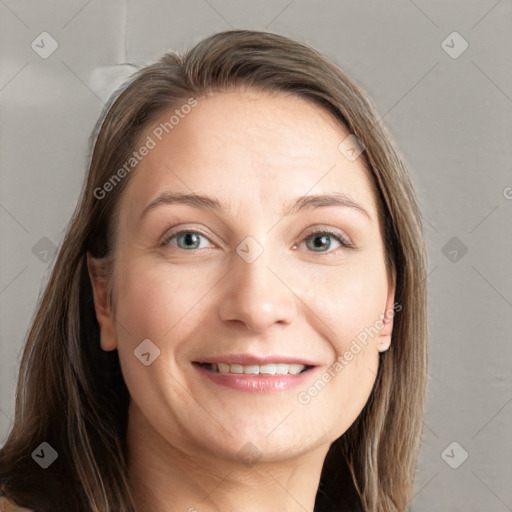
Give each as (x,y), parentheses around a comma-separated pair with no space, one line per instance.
(255,369)
(295,368)
(281,369)
(236,368)
(268,368)
(223,368)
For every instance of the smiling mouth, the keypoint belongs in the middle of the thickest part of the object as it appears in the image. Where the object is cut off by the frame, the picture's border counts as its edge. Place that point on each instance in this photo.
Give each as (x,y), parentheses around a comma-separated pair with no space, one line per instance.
(255,369)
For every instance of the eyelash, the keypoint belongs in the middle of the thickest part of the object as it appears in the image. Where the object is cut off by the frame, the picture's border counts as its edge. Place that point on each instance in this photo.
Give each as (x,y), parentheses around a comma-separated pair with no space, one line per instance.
(338,236)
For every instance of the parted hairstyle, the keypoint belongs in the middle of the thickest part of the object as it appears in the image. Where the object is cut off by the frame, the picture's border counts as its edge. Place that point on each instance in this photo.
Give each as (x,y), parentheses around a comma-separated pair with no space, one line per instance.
(71,394)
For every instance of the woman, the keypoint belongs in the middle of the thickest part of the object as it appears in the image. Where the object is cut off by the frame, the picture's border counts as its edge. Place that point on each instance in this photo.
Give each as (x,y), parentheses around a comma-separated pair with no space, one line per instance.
(277,364)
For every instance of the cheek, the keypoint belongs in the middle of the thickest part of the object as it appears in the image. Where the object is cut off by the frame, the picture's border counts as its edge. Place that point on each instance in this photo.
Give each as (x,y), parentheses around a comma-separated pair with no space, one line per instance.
(349,300)
(350,308)
(356,298)
(154,300)
(161,304)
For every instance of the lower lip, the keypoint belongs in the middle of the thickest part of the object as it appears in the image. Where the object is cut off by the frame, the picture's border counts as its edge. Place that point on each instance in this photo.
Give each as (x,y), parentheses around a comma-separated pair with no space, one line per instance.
(257,383)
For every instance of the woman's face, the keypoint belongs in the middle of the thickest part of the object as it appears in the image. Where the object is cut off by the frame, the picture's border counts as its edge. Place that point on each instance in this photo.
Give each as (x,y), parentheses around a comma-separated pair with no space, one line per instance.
(253,285)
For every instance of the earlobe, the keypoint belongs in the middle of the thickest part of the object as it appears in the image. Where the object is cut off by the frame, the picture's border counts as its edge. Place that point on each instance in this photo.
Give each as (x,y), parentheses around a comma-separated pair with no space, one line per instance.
(99,276)
(384,340)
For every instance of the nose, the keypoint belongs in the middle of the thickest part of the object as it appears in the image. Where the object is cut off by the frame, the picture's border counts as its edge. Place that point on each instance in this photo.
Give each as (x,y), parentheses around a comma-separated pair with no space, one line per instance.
(257,296)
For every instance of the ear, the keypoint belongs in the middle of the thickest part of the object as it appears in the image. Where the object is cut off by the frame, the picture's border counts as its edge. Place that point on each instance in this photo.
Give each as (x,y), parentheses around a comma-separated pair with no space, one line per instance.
(99,275)
(384,339)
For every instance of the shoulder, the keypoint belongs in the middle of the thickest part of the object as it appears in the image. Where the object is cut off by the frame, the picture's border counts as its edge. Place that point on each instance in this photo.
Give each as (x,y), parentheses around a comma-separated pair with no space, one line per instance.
(9,506)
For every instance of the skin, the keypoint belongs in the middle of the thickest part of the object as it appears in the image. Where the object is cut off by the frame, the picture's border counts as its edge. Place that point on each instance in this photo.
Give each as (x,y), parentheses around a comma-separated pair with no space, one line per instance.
(256,152)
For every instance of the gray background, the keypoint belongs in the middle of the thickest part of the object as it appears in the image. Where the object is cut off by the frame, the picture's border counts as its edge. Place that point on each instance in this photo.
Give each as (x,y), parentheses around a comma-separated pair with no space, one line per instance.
(451,117)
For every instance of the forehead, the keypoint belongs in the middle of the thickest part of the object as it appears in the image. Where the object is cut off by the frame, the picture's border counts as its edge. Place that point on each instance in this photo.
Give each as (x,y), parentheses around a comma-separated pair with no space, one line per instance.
(253,150)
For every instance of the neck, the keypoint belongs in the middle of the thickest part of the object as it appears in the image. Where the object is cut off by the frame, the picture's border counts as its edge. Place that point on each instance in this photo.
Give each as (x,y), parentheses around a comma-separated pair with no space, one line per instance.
(167,478)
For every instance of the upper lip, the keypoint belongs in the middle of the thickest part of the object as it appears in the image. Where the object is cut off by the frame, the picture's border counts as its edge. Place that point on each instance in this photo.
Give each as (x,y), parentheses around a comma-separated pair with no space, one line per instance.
(247,359)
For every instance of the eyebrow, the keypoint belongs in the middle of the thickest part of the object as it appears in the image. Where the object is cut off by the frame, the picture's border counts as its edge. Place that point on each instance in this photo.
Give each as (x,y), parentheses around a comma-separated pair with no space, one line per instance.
(298,204)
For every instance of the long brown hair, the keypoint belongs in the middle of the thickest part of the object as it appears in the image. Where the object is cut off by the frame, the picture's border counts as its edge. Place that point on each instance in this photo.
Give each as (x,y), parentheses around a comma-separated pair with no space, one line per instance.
(71,394)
